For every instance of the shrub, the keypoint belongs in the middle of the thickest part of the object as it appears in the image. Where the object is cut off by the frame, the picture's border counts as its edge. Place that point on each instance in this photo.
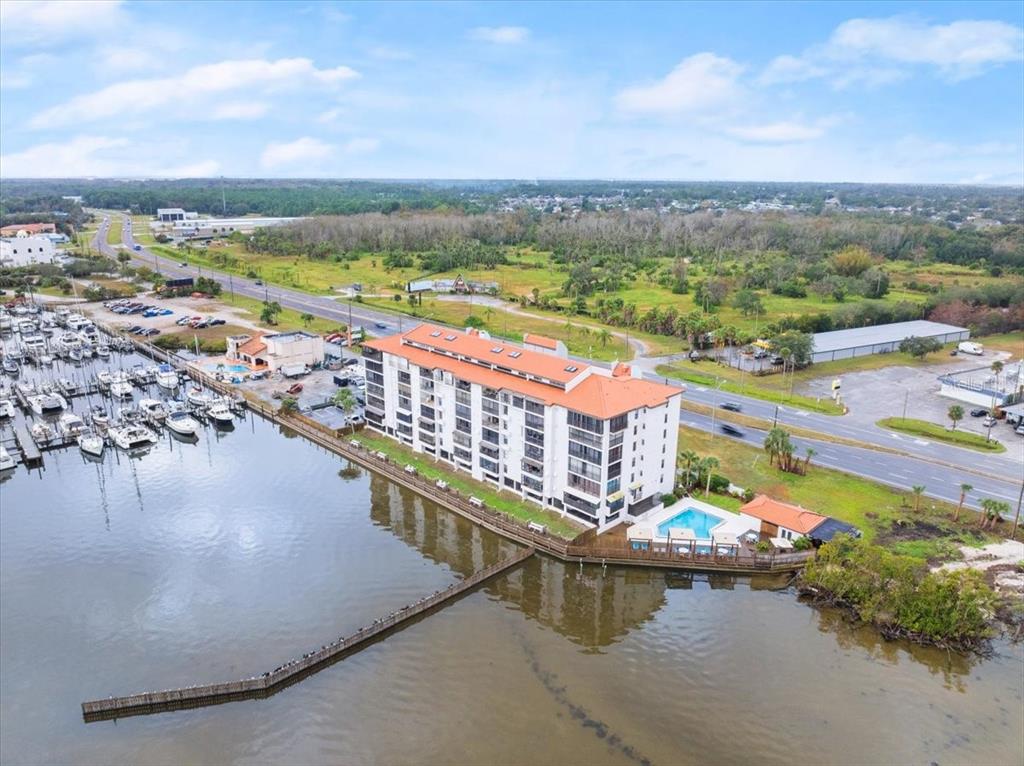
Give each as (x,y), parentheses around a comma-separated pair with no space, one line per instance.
(169,342)
(668,498)
(719,483)
(763,546)
(900,596)
(802,544)
(748,495)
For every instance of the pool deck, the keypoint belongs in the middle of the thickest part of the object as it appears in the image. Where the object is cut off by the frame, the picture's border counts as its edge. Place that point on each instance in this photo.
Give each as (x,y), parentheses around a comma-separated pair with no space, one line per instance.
(737,524)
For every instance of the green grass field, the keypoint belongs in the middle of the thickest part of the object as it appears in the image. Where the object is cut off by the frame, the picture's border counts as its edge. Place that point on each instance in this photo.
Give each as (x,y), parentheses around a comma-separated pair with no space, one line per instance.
(505,502)
(707,374)
(871,507)
(941,434)
(114,231)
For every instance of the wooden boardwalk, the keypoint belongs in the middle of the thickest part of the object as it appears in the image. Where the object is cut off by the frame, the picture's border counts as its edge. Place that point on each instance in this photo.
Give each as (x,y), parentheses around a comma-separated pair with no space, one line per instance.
(30,453)
(295,670)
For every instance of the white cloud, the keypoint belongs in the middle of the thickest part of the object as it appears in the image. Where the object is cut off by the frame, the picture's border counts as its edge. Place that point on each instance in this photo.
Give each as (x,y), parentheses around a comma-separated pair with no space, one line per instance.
(960,49)
(49,21)
(239,110)
(875,52)
(785,69)
(88,155)
(190,88)
(24,72)
(387,53)
(330,116)
(699,83)
(116,58)
(500,35)
(300,152)
(783,132)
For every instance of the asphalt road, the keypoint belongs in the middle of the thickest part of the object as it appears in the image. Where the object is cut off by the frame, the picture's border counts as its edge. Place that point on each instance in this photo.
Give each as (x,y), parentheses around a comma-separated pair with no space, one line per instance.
(940,468)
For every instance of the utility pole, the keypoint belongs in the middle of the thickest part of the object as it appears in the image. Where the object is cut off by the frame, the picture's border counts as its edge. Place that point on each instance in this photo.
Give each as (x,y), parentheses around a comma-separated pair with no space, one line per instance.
(1016,518)
(906,396)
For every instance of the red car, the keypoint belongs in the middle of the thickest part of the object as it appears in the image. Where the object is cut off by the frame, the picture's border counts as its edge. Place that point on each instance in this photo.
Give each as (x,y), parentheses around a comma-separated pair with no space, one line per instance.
(295,389)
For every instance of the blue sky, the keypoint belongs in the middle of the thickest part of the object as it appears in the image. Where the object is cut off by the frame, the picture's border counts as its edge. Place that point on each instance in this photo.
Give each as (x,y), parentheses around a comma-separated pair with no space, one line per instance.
(889,92)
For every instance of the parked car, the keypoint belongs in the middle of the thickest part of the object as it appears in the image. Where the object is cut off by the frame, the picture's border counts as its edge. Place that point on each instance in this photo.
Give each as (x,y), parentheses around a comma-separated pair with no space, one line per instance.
(731,406)
(295,388)
(979,412)
(731,430)
(164,312)
(760,354)
(214,322)
(777,360)
(182,321)
(988,422)
(349,361)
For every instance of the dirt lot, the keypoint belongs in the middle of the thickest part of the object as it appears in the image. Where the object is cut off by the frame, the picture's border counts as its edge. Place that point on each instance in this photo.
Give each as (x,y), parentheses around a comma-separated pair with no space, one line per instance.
(180,307)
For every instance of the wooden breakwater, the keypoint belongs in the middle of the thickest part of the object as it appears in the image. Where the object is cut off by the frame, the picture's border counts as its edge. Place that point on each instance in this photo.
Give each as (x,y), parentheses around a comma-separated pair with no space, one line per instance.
(572,551)
(293,671)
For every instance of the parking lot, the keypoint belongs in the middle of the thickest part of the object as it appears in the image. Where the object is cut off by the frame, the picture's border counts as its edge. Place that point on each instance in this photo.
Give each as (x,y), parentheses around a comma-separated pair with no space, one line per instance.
(884,392)
(164,322)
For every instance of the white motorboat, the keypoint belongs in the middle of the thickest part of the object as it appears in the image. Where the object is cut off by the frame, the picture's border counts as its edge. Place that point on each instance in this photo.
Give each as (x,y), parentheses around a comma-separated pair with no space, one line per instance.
(199,397)
(153,409)
(181,422)
(69,387)
(6,408)
(48,403)
(220,412)
(75,354)
(132,437)
(167,377)
(6,461)
(43,433)
(120,386)
(70,425)
(45,359)
(91,444)
(104,378)
(10,366)
(98,417)
(140,375)
(103,352)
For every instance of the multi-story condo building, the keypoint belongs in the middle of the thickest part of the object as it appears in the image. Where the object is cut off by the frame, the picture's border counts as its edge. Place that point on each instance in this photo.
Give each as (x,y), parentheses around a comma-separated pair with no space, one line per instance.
(588,442)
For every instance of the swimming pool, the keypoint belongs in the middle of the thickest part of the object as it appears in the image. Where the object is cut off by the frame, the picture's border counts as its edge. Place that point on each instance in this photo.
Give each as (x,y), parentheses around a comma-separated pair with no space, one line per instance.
(700,522)
(226,367)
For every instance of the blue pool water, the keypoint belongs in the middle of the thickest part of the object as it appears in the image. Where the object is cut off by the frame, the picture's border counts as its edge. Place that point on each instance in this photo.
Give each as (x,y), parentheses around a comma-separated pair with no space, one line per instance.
(226,368)
(700,522)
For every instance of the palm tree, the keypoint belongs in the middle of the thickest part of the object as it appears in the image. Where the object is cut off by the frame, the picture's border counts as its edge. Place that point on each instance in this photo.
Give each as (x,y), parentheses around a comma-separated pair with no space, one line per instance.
(568,327)
(690,459)
(306,318)
(964,489)
(997,367)
(993,510)
(955,414)
(603,336)
(918,490)
(811,452)
(488,313)
(708,465)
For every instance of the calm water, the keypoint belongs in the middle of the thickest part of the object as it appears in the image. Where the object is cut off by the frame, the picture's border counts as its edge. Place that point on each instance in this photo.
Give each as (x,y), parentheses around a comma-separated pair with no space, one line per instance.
(215,560)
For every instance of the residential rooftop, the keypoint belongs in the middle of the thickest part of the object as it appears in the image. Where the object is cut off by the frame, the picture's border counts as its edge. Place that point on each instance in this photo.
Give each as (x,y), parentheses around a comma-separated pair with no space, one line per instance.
(551,379)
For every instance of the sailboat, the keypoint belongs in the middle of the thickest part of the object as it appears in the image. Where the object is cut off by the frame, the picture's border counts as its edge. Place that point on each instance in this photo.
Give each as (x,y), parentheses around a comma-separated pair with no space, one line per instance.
(91,443)
(120,386)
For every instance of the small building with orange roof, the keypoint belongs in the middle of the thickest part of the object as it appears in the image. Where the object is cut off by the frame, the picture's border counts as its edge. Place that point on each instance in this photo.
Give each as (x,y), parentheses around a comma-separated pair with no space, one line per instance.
(783,520)
(594,444)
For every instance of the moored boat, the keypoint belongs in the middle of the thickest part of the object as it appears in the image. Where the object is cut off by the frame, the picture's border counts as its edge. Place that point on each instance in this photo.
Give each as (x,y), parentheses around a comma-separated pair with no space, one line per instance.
(91,444)
(220,413)
(46,403)
(167,377)
(132,437)
(181,422)
(6,461)
(70,425)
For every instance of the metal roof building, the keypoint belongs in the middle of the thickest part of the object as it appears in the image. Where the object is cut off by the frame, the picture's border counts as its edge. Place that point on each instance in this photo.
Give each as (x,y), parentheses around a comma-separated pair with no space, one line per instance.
(880,339)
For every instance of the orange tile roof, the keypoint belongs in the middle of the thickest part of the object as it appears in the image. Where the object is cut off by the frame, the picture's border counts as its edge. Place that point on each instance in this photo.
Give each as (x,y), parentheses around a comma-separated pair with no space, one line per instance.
(535,363)
(596,395)
(540,340)
(783,514)
(31,228)
(253,346)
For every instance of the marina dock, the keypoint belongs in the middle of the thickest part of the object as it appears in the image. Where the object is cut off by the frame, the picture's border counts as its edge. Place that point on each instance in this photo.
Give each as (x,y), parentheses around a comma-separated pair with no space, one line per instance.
(295,670)
(30,453)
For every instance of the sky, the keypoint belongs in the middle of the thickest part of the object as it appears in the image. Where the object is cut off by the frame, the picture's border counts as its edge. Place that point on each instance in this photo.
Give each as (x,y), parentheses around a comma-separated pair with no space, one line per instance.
(857,92)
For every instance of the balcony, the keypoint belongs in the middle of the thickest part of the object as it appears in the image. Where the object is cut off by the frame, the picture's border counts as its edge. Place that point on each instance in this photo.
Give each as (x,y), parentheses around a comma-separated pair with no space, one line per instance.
(533,483)
(532,437)
(532,468)
(462,439)
(427,425)
(490,407)
(534,453)
(491,452)
(463,397)
(532,421)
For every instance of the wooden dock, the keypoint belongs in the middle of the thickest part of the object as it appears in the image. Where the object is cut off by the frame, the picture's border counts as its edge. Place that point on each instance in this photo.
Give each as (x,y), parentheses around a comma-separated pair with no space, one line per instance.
(291,672)
(30,453)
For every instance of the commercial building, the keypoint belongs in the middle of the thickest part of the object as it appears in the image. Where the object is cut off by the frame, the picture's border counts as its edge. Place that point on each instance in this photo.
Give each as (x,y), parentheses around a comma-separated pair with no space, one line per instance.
(274,351)
(981,387)
(590,443)
(193,227)
(27,250)
(880,339)
(27,229)
(172,214)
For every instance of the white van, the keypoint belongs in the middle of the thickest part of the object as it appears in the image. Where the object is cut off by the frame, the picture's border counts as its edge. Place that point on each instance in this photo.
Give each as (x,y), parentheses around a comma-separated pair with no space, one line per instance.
(970,347)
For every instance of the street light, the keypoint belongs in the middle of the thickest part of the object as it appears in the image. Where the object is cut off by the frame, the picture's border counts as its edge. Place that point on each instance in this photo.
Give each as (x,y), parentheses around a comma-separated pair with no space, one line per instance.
(714,406)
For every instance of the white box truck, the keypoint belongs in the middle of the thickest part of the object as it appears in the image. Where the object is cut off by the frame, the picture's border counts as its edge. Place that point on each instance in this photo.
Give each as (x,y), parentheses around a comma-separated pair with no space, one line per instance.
(970,347)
